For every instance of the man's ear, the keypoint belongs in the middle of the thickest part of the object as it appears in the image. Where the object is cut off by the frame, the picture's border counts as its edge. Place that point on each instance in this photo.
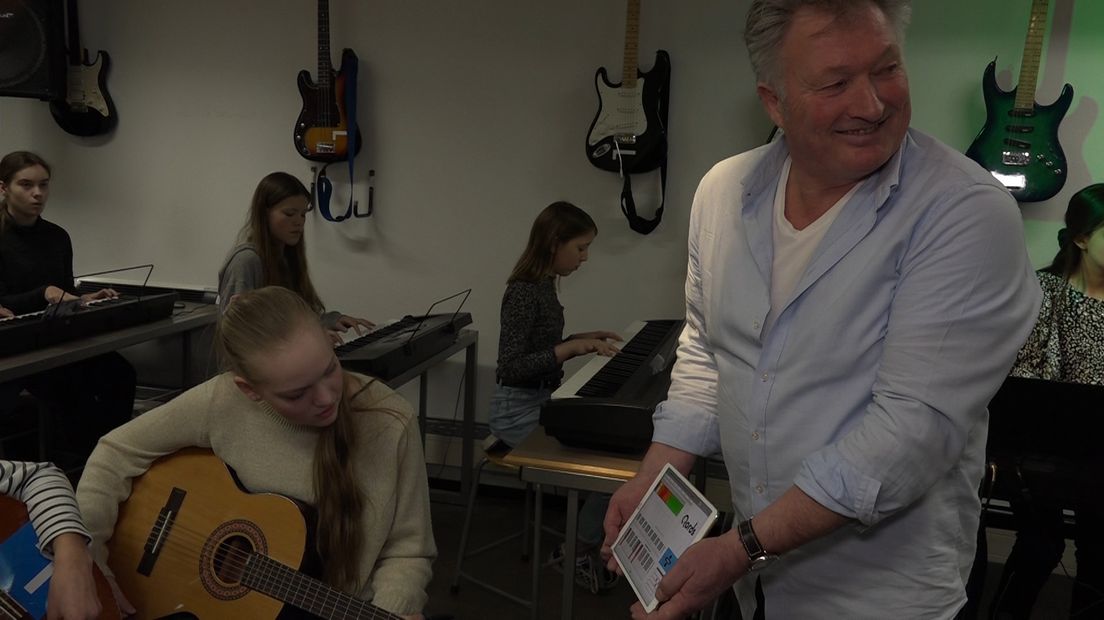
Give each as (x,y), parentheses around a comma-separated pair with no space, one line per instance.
(246,388)
(772,103)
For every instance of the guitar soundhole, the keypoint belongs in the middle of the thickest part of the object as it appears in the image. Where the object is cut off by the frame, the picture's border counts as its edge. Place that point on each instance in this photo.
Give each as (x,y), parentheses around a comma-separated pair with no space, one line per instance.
(223,562)
(230,558)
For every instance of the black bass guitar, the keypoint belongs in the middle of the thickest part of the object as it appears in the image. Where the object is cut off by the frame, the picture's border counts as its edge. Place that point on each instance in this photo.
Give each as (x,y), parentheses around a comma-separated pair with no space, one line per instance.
(322,130)
(629,132)
(87,109)
(1019,142)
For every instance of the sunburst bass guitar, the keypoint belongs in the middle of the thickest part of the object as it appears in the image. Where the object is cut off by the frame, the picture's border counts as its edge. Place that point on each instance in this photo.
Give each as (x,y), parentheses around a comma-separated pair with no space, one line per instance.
(189,539)
(322,129)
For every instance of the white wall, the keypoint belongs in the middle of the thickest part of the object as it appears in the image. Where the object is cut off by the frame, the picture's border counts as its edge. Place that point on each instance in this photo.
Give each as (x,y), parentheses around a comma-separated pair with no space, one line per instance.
(474,115)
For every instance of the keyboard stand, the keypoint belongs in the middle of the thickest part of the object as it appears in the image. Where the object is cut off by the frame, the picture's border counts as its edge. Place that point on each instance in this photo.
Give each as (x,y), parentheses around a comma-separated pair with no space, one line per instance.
(468,341)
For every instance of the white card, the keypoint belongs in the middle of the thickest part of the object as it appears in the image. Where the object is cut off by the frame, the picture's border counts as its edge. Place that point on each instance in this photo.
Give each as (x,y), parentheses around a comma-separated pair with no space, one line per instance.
(672,516)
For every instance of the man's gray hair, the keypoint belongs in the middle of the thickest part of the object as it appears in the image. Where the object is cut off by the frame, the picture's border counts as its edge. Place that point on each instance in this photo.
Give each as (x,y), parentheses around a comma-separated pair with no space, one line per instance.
(767,21)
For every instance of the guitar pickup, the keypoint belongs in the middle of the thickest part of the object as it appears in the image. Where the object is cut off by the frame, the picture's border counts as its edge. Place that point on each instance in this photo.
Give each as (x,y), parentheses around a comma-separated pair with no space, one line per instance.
(1018,144)
(1019,128)
(1015,158)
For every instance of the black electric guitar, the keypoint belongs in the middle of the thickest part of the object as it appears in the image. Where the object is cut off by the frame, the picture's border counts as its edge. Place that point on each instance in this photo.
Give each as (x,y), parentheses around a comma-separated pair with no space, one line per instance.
(87,109)
(629,133)
(1019,142)
(188,539)
(322,130)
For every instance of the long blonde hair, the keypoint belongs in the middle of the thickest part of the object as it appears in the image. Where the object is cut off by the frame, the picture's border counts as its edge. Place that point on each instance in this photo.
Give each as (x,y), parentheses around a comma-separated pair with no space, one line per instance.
(254,324)
(287,268)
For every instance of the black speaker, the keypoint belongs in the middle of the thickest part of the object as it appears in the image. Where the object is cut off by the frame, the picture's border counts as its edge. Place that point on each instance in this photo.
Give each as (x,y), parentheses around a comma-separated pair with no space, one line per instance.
(32,49)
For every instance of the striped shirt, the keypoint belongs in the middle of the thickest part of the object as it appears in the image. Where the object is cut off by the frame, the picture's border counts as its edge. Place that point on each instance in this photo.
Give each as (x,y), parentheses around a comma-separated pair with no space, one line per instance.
(49,498)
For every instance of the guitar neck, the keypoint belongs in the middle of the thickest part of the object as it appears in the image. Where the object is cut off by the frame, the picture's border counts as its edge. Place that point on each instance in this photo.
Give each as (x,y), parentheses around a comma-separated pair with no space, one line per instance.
(632,44)
(1033,51)
(325,69)
(283,583)
(72,32)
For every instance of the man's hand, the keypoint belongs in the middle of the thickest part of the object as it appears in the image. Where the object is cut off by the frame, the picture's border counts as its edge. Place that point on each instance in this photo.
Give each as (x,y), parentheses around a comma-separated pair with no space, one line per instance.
(72,594)
(702,574)
(621,506)
(5,313)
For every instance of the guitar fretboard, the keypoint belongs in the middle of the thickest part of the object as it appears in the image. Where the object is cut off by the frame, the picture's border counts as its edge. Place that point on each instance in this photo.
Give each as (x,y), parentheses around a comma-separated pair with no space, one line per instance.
(325,69)
(284,583)
(632,44)
(1033,50)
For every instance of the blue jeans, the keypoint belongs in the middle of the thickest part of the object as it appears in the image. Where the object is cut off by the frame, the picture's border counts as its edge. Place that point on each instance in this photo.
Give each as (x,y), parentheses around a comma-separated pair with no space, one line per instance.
(515,412)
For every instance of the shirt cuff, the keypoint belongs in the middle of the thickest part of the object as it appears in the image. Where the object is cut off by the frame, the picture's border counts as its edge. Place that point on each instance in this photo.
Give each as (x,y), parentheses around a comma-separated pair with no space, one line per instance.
(832,482)
(687,427)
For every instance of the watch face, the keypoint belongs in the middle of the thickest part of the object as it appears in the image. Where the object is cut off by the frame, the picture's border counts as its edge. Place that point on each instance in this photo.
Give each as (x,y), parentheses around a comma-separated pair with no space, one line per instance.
(762,561)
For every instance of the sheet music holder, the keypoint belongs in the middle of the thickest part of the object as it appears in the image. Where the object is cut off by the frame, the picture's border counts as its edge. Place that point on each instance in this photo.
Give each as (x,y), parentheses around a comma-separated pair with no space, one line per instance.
(72,306)
(429,311)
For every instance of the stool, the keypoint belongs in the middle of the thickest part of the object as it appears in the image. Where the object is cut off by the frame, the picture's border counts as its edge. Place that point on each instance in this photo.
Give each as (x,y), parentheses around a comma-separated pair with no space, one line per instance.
(493,459)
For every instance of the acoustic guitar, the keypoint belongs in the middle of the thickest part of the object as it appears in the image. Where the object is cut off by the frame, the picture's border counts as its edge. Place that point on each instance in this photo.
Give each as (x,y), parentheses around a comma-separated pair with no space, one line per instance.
(629,132)
(1019,142)
(322,129)
(189,539)
(87,109)
(25,573)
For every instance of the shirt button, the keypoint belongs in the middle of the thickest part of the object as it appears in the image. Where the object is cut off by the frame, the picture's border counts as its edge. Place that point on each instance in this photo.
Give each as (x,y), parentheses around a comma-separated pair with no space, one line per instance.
(764,377)
(755,435)
(759,489)
(755,325)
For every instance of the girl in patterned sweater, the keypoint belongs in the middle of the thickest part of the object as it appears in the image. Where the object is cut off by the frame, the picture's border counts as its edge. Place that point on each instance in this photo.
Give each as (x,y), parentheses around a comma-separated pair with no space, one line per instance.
(532,350)
(1067,344)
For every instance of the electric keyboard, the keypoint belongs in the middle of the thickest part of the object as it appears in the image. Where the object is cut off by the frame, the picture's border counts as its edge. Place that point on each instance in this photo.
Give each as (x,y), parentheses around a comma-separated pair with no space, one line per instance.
(71,320)
(391,350)
(608,403)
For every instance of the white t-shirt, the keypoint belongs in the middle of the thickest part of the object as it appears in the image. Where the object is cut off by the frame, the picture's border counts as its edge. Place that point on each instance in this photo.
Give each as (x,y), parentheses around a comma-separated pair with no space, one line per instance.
(793,249)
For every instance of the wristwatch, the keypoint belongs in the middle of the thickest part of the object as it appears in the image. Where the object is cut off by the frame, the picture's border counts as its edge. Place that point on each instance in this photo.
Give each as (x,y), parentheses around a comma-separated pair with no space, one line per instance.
(758,557)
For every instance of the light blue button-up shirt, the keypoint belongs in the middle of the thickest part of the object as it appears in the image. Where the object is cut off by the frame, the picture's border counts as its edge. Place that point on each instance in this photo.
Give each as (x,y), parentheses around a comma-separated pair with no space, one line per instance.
(869,391)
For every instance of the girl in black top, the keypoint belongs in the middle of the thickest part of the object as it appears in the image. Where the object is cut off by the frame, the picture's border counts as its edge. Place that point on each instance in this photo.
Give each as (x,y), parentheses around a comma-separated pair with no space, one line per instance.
(36,270)
(532,350)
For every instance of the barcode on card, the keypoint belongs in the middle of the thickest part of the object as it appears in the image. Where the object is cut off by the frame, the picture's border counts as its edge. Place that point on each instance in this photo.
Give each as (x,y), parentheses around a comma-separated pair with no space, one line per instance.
(635,550)
(652,536)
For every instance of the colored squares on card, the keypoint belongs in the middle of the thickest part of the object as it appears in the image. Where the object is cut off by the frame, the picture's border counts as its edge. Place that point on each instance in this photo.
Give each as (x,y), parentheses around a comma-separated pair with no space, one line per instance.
(669,499)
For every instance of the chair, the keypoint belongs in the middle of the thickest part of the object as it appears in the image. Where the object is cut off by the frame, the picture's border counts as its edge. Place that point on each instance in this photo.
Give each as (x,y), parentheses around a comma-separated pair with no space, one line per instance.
(494,460)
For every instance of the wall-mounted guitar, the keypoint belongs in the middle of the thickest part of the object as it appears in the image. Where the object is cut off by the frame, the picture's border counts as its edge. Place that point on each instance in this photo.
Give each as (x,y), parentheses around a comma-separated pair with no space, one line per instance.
(87,109)
(1019,142)
(629,133)
(632,115)
(322,130)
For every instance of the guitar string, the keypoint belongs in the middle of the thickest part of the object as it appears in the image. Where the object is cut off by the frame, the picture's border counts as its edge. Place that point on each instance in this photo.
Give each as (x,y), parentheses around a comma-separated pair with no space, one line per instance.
(313,586)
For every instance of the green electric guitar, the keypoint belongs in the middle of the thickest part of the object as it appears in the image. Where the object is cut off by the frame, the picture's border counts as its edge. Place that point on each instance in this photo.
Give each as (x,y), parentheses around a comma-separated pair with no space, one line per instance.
(1019,142)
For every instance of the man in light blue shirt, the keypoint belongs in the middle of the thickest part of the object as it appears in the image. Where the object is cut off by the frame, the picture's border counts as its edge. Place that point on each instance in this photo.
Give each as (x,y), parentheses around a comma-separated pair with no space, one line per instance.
(856,293)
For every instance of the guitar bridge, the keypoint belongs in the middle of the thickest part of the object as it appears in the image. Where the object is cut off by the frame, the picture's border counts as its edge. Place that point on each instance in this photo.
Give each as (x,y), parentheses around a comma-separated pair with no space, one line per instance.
(325,147)
(1015,158)
(625,138)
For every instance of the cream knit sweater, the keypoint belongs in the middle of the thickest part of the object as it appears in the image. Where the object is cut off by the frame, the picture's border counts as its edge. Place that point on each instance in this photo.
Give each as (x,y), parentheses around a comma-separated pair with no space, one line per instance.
(270,455)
